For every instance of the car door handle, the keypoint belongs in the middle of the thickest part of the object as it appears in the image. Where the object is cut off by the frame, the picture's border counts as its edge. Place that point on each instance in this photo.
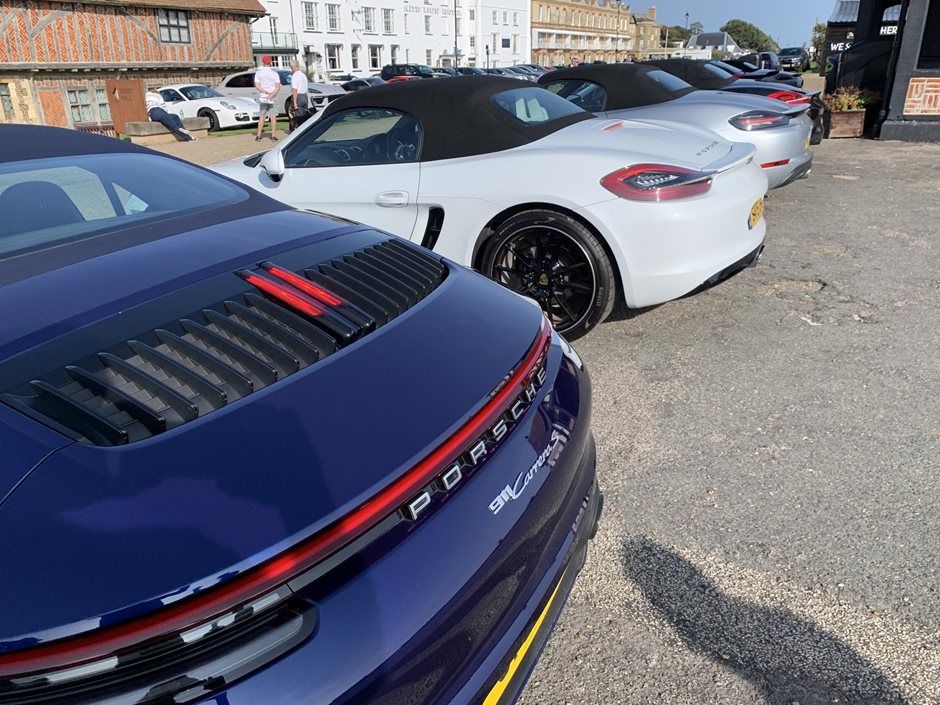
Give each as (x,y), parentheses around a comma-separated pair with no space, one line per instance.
(392,199)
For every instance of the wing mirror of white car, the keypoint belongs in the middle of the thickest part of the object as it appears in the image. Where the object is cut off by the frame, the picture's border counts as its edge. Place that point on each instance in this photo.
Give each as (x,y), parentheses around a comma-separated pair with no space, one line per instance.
(273,164)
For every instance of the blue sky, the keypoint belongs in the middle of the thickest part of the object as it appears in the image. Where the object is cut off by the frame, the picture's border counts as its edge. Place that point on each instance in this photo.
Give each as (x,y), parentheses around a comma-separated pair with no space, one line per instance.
(790,23)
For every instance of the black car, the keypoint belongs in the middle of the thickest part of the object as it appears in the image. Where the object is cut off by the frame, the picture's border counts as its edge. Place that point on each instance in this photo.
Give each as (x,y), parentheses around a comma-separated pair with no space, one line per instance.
(406,72)
(763,59)
(357,84)
(794,59)
(470,71)
(743,69)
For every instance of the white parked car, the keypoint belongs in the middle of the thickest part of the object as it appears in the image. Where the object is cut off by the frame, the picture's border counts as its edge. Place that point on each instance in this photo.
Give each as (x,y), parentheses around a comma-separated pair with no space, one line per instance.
(242,85)
(781,132)
(197,100)
(572,210)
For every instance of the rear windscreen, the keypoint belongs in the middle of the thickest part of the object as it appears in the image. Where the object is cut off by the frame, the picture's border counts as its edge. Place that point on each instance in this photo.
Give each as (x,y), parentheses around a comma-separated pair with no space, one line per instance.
(49,202)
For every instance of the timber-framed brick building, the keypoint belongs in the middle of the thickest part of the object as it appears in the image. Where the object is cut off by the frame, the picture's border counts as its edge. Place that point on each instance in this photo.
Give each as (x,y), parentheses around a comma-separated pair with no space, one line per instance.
(56,56)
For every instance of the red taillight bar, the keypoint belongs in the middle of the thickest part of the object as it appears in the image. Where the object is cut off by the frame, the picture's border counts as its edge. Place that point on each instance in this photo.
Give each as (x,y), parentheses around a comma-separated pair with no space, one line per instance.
(280,569)
(780,162)
(293,299)
(305,285)
(790,97)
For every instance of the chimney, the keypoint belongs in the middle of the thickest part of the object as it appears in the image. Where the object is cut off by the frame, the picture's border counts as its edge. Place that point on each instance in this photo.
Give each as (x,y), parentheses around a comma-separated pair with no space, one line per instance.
(651,13)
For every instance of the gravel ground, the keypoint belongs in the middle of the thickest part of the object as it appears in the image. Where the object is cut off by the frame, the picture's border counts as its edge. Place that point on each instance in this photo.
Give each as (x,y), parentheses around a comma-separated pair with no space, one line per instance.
(769,453)
(218,147)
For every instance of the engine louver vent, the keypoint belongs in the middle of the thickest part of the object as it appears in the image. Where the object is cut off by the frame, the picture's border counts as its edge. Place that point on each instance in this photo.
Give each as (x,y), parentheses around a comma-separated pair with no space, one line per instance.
(189,367)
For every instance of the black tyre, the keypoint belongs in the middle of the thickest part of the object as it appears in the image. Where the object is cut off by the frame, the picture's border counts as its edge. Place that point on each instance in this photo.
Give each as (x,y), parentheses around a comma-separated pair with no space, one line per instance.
(213,119)
(289,108)
(556,260)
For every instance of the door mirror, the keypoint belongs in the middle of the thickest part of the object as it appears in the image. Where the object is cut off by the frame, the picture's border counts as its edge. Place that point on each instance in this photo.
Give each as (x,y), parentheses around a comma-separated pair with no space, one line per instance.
(273,164)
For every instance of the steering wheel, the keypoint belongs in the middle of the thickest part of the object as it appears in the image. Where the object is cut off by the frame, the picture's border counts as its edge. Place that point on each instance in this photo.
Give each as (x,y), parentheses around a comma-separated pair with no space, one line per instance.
(399,145)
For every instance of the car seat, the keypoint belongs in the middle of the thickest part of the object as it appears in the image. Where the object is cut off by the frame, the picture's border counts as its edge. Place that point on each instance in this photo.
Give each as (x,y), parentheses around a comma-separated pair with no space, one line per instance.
(35,205)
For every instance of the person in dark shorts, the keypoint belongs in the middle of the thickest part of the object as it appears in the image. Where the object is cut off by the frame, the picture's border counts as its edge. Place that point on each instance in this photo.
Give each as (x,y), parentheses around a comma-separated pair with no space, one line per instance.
(268,83)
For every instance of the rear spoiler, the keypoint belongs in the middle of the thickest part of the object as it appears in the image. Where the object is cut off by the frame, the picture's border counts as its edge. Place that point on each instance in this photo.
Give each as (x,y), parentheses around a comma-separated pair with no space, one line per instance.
(741,153)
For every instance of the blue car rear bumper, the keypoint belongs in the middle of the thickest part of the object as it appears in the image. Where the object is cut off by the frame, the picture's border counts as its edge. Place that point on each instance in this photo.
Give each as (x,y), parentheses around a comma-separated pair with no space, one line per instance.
(455,608)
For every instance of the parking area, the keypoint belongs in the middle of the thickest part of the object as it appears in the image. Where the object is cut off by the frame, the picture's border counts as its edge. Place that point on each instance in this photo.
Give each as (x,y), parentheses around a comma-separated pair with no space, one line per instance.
(769,453)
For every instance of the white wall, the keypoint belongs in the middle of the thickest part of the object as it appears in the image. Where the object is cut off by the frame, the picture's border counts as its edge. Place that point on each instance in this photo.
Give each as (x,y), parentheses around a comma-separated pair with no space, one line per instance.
(421,32)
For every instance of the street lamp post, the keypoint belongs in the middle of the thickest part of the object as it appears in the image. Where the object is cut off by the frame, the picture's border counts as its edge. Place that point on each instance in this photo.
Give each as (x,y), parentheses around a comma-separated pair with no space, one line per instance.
(686,20)
(455,34)
(617,45)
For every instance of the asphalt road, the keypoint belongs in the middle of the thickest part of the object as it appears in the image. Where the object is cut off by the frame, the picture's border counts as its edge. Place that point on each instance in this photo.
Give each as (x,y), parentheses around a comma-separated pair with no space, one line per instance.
(769,453)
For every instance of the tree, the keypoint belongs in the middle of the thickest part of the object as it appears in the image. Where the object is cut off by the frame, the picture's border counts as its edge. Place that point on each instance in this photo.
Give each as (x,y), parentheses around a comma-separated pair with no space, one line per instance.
(676,33)
(748,36)
(696,27)
(819,42)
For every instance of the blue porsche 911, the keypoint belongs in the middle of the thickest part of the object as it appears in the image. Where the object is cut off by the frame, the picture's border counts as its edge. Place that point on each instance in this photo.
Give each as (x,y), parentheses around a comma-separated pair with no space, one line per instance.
(256,455)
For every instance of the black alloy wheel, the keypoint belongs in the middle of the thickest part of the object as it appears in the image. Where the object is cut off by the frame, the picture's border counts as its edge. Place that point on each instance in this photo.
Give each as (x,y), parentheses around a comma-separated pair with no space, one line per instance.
(213,119)
(556,260)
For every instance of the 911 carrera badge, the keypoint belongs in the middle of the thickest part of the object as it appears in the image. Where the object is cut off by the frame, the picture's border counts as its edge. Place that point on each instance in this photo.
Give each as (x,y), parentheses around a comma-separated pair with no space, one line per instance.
(546,459)
(479,449)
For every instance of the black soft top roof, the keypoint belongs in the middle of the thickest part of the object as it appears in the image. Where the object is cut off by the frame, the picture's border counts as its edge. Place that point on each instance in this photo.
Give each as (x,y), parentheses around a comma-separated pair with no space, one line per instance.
(693,71)
(457,116)
(21,142)
(627,85)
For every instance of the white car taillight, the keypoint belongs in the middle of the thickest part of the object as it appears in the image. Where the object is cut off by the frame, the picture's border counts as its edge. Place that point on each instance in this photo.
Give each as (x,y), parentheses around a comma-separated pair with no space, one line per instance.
(657,182)
(759,120)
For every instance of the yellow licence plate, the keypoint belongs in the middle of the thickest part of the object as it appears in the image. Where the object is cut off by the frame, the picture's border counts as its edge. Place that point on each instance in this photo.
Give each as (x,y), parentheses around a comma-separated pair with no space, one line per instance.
(757,212)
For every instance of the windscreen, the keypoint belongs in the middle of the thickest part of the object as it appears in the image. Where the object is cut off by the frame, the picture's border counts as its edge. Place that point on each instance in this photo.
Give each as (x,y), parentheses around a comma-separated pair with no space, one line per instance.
(49,202)
(199,92)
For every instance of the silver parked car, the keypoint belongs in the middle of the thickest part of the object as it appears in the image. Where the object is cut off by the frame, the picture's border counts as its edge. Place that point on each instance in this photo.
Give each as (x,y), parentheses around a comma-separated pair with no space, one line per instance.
(242,85)
(781,132)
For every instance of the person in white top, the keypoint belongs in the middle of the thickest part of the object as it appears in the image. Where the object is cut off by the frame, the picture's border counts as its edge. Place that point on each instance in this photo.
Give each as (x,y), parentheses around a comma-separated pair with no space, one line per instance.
(299,86)
(268,83)
(156,111)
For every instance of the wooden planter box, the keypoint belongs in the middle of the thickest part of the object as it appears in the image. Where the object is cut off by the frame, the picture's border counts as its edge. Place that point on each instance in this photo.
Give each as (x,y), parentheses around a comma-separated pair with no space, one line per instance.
(850,123)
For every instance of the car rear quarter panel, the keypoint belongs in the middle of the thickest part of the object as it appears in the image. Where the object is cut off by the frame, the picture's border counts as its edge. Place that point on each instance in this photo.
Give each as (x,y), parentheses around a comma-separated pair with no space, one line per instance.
(426,617)
(665,250)
(540,176)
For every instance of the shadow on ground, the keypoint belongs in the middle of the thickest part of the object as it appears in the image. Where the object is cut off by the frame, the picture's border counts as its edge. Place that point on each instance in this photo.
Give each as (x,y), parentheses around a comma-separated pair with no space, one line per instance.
(622,313)
(791,659)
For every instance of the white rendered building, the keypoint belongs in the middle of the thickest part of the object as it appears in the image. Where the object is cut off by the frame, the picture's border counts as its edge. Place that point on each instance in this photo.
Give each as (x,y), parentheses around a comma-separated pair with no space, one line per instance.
(359,37)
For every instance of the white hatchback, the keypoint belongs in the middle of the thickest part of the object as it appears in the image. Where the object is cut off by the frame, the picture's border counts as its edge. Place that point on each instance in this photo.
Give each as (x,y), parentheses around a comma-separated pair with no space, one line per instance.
(242,85)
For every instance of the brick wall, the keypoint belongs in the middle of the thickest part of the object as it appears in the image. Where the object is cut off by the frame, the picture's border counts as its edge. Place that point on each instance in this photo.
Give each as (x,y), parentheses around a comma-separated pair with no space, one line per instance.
(923,97)
(50,48)
(53,108)
(52,92)
(40,34)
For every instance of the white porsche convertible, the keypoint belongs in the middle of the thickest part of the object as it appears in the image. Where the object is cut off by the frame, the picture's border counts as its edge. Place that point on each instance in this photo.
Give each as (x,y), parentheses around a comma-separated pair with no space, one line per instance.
(198,100)
(531,190)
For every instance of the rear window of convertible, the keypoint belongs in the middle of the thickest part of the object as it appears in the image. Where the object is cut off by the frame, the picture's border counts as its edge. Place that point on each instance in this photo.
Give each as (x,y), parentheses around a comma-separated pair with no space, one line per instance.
(49,202)
(534,106)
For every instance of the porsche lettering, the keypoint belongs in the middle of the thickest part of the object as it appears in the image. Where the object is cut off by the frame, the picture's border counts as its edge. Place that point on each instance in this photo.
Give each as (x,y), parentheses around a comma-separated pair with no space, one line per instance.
(477,452)
(545,459)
